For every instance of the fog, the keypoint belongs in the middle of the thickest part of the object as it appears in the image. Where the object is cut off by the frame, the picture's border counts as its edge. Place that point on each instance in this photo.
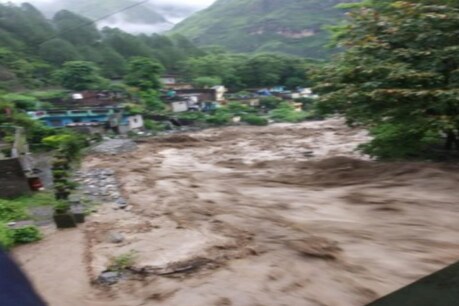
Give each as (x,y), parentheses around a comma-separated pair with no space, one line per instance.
(173,11)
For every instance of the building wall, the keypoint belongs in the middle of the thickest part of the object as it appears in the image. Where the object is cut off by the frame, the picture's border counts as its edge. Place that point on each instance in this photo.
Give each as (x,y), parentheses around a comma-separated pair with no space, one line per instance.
(178,107)
(13,182)
(63,121)
(168,80)
(135,122)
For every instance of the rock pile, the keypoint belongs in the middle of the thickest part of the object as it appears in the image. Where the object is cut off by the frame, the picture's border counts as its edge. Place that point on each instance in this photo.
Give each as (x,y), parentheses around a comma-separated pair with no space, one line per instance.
(115,146)
(101,185)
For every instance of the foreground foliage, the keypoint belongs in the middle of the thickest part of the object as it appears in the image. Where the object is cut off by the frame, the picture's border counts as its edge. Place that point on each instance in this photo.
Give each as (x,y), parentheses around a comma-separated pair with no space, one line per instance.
(12,210)
(399,75)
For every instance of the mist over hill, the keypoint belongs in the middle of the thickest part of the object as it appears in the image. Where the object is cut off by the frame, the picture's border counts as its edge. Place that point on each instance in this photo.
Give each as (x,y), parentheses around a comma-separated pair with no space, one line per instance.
(150,17)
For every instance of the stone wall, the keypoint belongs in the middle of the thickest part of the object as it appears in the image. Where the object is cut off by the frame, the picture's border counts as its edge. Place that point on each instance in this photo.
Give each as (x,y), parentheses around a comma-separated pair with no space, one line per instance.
(13,181)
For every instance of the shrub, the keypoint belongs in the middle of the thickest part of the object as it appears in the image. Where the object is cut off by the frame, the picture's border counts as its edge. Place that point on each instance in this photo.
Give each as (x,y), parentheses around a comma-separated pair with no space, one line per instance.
(123,261)
(154,126)
(6,236)
(219,119)
(270,102)
(60,174)
(11,211)
(255,120)
(68,144)
(26,234)
(238,108)
(192,116)
(388,138)
(287,113)
(61,207)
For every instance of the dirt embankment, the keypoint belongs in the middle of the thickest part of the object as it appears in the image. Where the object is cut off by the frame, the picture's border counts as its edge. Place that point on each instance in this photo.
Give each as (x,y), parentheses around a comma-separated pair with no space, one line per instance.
(279,215)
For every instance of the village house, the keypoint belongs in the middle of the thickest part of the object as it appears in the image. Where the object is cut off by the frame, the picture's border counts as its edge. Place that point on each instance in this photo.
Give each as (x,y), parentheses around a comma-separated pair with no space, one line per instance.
(170,82)
(168,79)
(90,120)
(91,112)
(183,100)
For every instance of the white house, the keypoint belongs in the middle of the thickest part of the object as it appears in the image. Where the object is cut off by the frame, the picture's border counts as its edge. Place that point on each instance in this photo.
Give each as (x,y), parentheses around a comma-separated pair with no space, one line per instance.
(179,106)
(220,91)
(168,80)
(135,122)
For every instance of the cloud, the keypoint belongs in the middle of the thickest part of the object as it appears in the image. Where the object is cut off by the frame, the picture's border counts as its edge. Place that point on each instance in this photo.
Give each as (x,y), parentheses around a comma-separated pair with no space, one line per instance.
(173,10)
(195,4)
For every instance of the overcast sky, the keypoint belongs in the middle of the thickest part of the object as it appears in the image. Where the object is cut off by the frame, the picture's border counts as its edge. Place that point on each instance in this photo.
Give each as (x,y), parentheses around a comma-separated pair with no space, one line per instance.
(195,4)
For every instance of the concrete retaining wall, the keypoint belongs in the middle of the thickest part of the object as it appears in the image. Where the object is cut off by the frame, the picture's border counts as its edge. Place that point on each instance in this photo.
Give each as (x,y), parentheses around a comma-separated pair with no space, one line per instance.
(13,182)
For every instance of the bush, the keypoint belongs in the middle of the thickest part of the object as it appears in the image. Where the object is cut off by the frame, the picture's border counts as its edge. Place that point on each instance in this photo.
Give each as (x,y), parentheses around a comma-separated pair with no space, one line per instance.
(11,211)
(154,126)
(6,237)
(192,116)
(270,102)
(26,234)
(255,120)
(238,108)
(152,101)
(394,141)
(122,262)
(287,113)
(60,174)
(219,118)
(69,144)
(61,207)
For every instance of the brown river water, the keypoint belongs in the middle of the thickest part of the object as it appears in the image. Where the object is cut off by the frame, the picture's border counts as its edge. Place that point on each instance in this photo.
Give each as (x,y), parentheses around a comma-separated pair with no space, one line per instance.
(247,216)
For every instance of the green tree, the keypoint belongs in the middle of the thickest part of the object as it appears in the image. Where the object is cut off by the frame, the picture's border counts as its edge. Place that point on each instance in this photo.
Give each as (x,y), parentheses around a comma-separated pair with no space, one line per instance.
(127,45)
(79,75)
(151,100)
(76,29)
(399,75)
(58,51)
(144,73)
(112,64)
(207,82)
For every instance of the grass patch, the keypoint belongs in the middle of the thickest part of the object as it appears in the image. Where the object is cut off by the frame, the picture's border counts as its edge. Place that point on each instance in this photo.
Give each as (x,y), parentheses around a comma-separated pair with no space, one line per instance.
(16,210)
(123,261)
(35,200)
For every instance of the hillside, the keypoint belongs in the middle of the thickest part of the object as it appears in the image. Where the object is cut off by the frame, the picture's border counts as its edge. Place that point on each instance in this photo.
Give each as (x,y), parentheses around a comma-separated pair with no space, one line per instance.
(289,26)
(142,18)
(33,46)
(150,17)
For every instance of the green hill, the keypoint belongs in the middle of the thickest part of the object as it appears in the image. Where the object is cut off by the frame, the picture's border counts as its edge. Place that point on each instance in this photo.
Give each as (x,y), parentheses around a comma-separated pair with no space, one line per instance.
(32,46)
(92,10)
(288,26)
(142,14)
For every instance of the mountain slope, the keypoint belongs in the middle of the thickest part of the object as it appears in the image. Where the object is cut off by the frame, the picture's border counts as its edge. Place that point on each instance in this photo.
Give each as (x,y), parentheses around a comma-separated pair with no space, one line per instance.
(289,26)
(33,46)
(140,14)
(150,17)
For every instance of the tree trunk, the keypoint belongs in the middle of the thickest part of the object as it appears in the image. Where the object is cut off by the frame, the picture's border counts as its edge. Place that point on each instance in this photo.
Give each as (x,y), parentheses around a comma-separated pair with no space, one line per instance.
(451,141)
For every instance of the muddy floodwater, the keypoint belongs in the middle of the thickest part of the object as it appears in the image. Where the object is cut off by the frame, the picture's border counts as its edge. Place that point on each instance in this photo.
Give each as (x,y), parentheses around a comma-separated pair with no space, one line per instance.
(287,214)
